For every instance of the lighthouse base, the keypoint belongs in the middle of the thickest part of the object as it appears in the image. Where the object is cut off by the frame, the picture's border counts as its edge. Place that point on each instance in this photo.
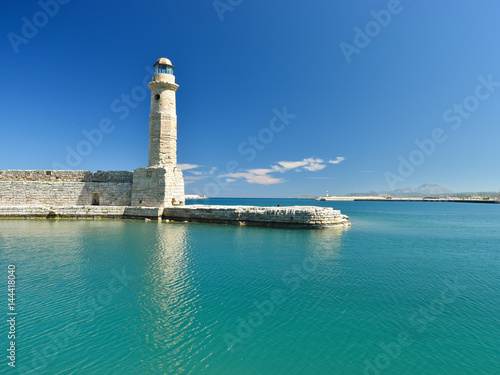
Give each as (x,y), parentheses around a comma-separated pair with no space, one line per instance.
(157,187)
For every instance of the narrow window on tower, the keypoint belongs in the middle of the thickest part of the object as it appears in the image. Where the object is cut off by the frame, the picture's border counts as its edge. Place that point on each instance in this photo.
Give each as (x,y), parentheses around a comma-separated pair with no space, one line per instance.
(157,97)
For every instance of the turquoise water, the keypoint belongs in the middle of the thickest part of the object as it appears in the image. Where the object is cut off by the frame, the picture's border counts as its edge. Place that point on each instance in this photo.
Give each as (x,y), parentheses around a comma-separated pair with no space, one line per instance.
(410,288)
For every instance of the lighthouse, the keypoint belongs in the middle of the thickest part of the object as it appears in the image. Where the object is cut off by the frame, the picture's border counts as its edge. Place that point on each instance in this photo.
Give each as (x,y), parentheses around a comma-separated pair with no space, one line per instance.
(163,117)
(161,184)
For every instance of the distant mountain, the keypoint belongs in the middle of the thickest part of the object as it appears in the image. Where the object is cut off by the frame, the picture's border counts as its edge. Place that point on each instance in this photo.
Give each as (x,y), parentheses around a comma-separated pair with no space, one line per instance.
(411,191)
(307,197)
(425,189)
(370,193)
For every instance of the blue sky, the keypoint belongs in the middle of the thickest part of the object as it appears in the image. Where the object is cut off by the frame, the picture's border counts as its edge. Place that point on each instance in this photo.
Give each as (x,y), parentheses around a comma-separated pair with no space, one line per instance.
(276,98)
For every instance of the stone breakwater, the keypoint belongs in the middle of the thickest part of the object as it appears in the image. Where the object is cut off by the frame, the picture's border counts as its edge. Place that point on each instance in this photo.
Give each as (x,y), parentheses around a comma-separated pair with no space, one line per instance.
(288,217)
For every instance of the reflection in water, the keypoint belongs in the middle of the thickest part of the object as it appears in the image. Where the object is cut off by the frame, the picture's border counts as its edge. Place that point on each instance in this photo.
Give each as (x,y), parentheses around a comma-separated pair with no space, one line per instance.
(326,244)
(167,323)
(170,275)
(196,280)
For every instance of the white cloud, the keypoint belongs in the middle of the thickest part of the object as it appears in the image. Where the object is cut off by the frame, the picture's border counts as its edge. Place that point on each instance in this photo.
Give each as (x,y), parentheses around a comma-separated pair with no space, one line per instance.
(186,167)
(192,176)
(286,165)
(198,173)
(314,166)
(337,160)
(309,164)
(253,178)
(263,176)
(261,171)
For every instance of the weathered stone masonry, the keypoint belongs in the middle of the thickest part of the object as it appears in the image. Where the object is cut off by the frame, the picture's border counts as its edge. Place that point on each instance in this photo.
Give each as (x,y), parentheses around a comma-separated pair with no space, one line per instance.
(64,188)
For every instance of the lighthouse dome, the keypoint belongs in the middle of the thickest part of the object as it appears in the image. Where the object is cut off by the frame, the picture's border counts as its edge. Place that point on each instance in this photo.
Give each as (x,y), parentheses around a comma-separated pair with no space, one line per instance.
(163,61)
(163,66)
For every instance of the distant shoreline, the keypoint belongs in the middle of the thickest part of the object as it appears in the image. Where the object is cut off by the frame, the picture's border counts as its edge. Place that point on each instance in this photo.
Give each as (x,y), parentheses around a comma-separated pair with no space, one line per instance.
(409,199)
(195,196)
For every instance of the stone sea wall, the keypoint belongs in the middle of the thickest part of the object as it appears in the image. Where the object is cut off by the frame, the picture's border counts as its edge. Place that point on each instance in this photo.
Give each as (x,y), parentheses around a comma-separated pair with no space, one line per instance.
(65,188)
(66,176)
(150,187)
(13,193)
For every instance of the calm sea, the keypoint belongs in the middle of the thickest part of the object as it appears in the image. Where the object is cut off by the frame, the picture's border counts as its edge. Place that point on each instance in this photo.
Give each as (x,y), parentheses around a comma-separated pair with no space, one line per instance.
(410,288)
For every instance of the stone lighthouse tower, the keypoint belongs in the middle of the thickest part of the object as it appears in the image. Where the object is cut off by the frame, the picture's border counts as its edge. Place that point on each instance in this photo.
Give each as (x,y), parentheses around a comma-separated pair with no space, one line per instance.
(161,183)
(163,119)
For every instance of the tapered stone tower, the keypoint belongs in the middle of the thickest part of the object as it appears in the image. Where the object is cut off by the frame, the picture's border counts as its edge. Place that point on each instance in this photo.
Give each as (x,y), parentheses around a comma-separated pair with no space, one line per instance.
(163,118)
(161,184)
